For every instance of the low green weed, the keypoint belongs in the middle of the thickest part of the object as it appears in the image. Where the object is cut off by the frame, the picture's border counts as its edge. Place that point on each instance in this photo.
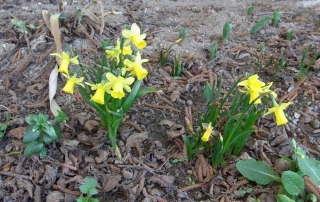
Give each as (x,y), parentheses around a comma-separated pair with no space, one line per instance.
(293,186)
(227,28)
(88,189)
(4,126)
(41,131)
(213,51)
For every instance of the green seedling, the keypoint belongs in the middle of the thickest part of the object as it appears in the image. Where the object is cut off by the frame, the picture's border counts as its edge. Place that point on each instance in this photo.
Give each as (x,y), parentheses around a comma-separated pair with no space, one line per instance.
(41,131)
(88,189)
(304,69)
(250,10)
(191,180)
(292,181)
(260,24)
(213,51)
(4,126)
(226,31)
(290,35)
(182,34)
(177,66)
(178,160)
(282,62)
(276,18)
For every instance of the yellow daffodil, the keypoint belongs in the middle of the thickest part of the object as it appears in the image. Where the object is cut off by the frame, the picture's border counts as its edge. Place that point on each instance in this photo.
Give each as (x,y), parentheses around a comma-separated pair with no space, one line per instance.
(116,84)
(278,112)
(208,132)
(135,67)
(134,36)
(65,61)
(100,88)
(68,88)
(116,51)
(254,87)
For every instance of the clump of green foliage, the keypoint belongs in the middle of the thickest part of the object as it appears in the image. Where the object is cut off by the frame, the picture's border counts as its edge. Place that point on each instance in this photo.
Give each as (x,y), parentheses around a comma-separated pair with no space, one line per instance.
(41,131)
(89,189)
(292,182)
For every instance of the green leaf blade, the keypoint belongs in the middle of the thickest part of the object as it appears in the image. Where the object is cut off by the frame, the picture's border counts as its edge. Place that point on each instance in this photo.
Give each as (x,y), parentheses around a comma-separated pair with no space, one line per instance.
(292,182)
(260,24)
(34,147)
(257,171)
(310,167)
(30,135)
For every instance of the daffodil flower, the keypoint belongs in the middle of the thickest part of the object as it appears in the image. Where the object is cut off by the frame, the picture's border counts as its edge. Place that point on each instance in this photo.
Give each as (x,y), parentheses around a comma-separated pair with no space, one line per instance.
(65,61)
(254,87)
(208,132)
(68,88)
(100,89)
(134,36)
(278,112)
(116,84)
(116,51)
(135,67)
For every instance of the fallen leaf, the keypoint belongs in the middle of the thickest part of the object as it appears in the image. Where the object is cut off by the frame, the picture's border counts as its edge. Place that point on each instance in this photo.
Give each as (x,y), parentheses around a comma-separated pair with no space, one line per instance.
(136,138)
(18,132)
(176,131)
(111,182)
(162,180)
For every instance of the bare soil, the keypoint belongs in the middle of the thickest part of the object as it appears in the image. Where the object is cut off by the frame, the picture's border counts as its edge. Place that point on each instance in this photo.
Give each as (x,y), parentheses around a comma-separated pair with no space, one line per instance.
(147,171)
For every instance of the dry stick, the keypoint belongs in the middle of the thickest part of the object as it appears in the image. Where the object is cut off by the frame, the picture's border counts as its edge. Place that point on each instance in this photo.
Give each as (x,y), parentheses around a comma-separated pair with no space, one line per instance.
(190,187)
(162,107)
(67,166)
(147,195)
(76,193)
(23,65)
(293,91)
(15,175)
(141,185)
(129,123)
(163,99)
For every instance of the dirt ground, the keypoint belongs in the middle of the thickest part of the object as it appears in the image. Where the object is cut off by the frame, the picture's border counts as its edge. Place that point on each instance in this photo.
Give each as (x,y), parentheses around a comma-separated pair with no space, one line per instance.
(147,171)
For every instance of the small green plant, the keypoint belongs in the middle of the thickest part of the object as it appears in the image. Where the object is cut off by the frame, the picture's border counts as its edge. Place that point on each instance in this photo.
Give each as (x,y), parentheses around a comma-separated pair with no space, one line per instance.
(4,126)
(213,51)
(250,10)
(182,34)
(276,18)
(89,189)
(226,31)
(292,181)
(290,35)
(41,131)
(177,66)
(260,24)
(303,68)
(178,160)
(231,125)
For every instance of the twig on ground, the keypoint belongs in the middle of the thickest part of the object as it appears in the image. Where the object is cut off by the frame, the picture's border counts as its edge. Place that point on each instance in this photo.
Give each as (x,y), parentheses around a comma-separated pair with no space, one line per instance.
(162,107)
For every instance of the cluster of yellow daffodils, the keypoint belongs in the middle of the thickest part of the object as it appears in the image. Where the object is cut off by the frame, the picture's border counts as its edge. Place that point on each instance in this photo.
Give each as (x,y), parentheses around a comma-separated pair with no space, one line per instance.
(133,67)
(254,87)
(64,69)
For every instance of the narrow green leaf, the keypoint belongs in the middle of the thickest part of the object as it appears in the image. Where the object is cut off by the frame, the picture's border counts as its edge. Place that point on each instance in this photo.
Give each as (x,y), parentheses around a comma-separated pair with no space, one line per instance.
(34,147)
(283,198)
(226,31)
(250,10)
(20,24)
(276,18)
(257,171)
(30,135)
(132,96)
(43,153)
(292,182)
(50,132)
(260,24)
(310,167)
(290,35)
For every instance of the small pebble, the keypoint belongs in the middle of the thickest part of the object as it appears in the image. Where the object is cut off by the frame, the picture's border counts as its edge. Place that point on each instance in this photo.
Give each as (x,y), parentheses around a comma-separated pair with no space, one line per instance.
(315,123)
(316,131)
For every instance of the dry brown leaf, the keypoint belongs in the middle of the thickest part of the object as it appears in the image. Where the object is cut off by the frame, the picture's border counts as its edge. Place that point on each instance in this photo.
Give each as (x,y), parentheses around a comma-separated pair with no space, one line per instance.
(55,196)
(136,138)
(103,156)
(91,125)
(175,95)
(18,132)
(82,117)
(36,89)
(167,123)
(50,175)
(111,182)
(162,180)
(25,184)
(176,131)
